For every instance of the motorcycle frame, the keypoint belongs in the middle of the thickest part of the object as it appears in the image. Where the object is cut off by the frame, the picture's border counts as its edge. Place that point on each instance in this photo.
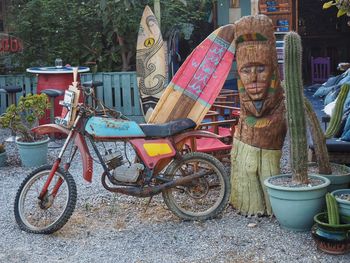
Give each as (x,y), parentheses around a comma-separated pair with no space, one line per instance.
(154,166)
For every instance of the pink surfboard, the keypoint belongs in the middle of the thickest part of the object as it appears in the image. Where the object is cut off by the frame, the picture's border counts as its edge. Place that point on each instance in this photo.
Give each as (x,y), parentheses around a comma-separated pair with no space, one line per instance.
(199,80)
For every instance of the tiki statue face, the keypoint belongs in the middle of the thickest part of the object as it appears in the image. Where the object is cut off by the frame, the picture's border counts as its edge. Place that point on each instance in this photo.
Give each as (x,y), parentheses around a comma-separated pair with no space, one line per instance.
(255,79)
(255,69)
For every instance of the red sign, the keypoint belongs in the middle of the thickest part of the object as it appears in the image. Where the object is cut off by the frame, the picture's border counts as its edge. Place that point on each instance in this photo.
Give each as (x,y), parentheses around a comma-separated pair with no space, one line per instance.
(10,44)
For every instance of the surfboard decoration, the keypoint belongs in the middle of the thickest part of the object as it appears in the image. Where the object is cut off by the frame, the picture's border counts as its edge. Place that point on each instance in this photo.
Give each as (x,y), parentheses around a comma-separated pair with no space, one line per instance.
(199,80)
(150,62)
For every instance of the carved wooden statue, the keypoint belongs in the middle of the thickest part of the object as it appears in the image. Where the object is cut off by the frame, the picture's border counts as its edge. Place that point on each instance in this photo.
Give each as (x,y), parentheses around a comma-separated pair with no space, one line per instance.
(261,130)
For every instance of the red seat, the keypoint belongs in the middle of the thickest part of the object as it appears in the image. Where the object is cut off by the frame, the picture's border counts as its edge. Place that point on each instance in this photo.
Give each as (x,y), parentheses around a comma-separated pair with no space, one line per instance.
(224,115)
(222,131)
(209,145)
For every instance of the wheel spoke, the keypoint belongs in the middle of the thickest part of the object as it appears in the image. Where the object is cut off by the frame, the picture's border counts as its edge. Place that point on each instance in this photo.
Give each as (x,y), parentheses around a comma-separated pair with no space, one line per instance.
(49,214)
(203,197)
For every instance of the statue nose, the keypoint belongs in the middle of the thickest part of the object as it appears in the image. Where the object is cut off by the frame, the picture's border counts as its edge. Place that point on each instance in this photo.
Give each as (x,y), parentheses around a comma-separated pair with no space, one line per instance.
(254,73)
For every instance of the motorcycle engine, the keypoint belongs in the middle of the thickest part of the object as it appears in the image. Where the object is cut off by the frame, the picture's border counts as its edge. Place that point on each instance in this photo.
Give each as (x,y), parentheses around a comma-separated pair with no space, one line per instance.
(123,170)
(113,159)
(128,173)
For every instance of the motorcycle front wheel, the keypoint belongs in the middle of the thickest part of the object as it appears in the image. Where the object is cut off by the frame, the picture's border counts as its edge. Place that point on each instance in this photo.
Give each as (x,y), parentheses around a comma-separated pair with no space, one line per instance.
(204,198)
(48,215)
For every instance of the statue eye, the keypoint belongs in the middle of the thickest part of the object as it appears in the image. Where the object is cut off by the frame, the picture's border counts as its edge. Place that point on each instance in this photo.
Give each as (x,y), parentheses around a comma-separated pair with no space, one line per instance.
(260,68)
(246,70)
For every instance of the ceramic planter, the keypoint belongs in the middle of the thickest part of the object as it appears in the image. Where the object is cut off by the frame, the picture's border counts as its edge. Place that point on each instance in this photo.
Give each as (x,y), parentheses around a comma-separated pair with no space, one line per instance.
(338,181)
(33,154)
(344,205)
(332,239)
(3,158)
(295,207)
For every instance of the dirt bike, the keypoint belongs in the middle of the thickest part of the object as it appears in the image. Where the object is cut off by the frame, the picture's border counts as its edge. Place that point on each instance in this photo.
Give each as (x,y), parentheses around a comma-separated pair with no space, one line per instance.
(194,185)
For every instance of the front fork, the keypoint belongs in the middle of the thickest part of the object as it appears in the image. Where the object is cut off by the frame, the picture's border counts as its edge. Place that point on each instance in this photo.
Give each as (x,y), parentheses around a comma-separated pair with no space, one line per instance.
(57,163)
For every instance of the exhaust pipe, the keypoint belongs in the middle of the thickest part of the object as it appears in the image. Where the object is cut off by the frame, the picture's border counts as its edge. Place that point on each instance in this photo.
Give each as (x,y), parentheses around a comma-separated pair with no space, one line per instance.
(150,190)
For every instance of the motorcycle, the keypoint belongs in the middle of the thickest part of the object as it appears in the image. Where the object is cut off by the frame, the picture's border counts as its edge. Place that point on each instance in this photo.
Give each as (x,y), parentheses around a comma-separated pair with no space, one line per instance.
(194,185)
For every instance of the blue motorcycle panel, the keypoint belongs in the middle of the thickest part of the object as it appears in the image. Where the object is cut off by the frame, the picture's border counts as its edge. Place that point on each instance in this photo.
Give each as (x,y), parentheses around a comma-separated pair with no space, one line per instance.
(113,128)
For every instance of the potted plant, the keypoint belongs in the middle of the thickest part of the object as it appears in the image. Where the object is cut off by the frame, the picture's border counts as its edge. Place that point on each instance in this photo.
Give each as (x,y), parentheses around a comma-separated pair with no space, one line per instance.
(295,198)
(2,155)
(339,175)
(342,197)
(21,119)
(331,234)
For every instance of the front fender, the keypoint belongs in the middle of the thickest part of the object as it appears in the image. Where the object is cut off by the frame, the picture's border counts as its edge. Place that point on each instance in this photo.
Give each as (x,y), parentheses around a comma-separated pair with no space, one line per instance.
(195,134)
(79,142)
(50,128)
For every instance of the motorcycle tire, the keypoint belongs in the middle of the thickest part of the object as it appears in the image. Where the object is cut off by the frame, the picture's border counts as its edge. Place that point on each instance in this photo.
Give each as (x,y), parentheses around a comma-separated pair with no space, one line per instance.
(32,215)
(204,198)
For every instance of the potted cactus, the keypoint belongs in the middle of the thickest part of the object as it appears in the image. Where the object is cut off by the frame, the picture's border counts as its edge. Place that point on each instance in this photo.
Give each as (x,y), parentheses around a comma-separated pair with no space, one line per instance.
(21,118)
(331,234)
(295,198)
(3,156)
(342,197)
(339,175)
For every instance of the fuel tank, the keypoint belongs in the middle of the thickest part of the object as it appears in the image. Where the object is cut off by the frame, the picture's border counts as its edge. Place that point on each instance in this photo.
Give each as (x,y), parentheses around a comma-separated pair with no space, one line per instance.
(104,128)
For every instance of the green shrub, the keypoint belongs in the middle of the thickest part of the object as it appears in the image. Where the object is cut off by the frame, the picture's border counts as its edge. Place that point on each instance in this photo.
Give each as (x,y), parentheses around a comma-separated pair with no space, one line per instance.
(23,117)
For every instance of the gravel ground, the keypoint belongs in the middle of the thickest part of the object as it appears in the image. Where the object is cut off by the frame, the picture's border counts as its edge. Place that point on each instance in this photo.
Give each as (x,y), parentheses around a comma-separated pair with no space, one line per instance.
(107,227)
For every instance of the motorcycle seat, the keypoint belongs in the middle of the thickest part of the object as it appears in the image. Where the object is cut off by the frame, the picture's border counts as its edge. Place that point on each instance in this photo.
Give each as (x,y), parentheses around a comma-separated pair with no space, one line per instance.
(167,129)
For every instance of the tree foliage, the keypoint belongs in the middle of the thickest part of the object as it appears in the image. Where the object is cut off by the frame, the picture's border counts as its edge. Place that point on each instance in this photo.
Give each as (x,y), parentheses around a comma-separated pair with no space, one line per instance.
(99,31)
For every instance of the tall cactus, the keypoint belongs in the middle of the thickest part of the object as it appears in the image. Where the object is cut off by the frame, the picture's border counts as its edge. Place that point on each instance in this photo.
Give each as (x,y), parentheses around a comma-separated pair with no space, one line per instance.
(335,122)
(319,140)
(295,107)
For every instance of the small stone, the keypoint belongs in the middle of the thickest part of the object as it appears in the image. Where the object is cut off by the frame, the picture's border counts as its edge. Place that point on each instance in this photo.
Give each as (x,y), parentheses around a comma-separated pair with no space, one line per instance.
(252,225)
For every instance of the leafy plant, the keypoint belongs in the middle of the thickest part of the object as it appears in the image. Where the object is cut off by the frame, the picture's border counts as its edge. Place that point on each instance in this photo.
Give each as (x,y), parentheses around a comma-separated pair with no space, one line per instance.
(342,5)
(23,117)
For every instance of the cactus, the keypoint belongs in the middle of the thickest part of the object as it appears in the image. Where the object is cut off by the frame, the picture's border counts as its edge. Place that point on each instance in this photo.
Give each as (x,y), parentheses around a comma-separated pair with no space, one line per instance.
(295,110)
(335,123)
(332,210)
(318,139)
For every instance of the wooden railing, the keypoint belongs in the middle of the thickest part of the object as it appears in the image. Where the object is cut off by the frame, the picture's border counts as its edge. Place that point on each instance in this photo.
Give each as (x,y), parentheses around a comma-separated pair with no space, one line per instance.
(119,90)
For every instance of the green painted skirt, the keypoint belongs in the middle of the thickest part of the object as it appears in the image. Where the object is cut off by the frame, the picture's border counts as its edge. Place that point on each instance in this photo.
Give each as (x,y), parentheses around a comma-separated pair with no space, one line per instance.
(250,166)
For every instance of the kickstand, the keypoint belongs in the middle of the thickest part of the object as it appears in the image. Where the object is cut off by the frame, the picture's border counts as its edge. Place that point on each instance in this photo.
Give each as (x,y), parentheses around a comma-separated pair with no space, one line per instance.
(149,201)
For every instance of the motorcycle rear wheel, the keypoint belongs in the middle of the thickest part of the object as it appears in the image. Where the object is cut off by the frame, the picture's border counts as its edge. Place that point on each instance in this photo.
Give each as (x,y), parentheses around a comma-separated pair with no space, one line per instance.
(203,198)
(48,215)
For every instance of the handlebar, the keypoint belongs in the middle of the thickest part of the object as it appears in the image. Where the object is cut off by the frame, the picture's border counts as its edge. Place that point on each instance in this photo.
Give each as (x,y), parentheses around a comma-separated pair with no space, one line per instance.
(92,110)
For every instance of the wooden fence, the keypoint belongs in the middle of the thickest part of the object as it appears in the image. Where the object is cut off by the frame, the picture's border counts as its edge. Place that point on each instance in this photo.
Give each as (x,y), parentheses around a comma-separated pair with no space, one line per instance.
(119,90)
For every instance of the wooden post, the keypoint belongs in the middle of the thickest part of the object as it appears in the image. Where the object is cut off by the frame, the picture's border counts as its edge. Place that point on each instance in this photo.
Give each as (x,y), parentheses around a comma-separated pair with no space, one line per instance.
(261,130)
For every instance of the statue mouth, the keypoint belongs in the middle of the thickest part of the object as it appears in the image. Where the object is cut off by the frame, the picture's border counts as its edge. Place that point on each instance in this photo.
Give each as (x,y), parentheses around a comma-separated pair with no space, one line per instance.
(255,88)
